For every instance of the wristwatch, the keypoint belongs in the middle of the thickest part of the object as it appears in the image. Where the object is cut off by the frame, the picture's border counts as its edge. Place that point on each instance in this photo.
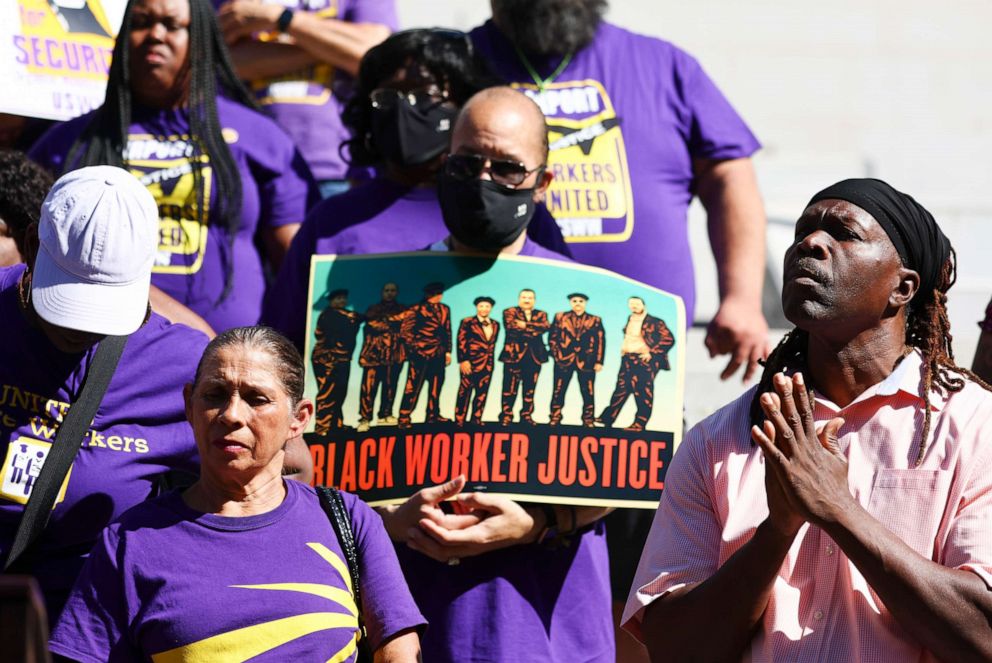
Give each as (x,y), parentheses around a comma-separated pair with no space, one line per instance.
(282,23)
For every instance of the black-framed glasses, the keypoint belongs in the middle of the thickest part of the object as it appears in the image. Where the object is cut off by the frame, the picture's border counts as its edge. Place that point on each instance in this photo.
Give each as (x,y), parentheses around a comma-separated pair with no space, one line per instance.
(505,172)
(386,98)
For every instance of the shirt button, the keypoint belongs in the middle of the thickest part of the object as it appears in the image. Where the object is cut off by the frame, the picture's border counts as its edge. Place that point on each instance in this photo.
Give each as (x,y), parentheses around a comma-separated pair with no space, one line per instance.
(830,550)
(818,615)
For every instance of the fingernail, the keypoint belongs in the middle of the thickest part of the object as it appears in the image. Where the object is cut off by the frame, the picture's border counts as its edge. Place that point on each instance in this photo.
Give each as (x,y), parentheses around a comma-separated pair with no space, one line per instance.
(766,399)
(799,379)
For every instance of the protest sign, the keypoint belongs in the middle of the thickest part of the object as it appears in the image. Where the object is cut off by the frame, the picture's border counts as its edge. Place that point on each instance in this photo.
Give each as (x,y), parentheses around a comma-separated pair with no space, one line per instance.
(55,55)
(546,381)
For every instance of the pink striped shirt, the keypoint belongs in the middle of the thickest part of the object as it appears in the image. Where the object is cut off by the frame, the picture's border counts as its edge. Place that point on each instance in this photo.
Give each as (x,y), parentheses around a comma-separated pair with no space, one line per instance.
(822,608)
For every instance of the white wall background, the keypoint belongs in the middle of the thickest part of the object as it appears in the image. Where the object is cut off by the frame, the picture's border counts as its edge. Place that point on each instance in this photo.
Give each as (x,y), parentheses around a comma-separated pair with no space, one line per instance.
(897,90)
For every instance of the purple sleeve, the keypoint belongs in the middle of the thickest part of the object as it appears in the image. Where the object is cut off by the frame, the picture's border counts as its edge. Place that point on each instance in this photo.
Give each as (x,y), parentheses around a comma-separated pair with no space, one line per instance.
(93,626)
(373,11)
(716,131)
(387,605)
(52,148)
(285,305)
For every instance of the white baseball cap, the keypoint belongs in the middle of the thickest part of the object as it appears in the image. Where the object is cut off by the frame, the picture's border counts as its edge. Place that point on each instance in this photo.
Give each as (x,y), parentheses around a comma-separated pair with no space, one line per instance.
(98,235)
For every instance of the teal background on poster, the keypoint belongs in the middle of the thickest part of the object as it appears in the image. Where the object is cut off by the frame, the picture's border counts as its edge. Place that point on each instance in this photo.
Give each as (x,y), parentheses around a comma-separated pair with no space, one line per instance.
(466,277)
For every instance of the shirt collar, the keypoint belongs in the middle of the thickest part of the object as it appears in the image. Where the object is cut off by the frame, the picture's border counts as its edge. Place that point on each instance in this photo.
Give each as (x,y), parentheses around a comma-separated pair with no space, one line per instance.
(907,377)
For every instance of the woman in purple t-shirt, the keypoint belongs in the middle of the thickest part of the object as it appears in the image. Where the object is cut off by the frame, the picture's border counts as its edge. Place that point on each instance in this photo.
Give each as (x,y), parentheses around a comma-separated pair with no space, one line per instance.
(225,177)
(243,564)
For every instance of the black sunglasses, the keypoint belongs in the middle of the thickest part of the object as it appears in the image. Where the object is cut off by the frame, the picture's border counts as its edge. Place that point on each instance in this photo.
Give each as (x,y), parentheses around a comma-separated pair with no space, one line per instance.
(386,98)
(502,171)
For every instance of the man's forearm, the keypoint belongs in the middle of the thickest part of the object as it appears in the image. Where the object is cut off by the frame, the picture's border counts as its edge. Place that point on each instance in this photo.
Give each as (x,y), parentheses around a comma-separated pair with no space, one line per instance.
(254,60)
(338,43)
(948,611)
(735,214)
(715,620)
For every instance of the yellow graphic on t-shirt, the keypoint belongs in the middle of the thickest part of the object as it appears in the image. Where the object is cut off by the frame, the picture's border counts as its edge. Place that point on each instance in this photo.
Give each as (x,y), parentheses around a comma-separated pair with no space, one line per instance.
(590,196)
(21,468)
(250,641)
(310,85)
(165,167)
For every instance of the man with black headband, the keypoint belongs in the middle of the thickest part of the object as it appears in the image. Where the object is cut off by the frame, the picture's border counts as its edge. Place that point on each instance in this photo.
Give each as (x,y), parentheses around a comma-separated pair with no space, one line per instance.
(851,522)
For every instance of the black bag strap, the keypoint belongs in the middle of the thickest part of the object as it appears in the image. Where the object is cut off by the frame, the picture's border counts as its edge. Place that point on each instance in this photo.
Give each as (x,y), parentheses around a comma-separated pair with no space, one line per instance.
(68,439)
(333,505)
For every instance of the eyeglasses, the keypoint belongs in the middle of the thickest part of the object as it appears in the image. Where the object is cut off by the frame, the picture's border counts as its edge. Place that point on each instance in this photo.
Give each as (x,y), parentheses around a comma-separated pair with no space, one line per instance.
(502,171)
(385,98)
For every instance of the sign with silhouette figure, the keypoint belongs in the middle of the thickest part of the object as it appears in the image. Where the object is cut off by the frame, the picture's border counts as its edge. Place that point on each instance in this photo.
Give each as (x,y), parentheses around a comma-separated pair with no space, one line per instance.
(548,381)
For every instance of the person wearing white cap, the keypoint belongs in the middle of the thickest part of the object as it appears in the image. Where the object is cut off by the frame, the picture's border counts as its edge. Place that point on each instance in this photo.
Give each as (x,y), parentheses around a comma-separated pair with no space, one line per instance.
(87,277)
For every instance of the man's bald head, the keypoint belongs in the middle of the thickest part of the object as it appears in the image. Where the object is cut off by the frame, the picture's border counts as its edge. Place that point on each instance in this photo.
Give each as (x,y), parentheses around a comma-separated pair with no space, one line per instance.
(507,121)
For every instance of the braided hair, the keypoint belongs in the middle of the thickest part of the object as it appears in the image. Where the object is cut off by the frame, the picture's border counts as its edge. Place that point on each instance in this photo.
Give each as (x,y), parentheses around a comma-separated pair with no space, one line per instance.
(104,140)
(928,329)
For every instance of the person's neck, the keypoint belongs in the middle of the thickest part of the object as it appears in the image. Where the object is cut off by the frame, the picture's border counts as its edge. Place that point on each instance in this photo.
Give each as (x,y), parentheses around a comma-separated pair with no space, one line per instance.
(262,493)
(843,370)
(165,100)
(413,176)
(512,249)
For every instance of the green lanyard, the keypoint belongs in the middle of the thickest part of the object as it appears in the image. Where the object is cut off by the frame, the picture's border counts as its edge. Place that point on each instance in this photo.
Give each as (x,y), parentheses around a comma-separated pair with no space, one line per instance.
(542,83)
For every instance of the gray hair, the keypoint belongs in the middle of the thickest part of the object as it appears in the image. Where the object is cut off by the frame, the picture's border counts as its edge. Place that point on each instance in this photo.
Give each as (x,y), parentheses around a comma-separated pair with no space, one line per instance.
(268,340)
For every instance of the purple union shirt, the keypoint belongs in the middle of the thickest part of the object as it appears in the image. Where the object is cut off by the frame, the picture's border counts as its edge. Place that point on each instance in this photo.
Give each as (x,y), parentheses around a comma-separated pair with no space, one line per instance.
(626,118)
(276,186)
(139,432)
(168,583)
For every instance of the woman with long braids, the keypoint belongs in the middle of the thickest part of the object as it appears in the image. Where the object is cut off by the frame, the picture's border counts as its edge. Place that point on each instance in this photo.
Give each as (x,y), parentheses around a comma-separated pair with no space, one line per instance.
(227,179)
(851,522)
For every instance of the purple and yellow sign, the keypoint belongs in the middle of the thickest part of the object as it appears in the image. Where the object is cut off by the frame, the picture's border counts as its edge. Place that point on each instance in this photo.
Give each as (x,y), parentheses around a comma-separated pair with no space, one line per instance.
(55,55)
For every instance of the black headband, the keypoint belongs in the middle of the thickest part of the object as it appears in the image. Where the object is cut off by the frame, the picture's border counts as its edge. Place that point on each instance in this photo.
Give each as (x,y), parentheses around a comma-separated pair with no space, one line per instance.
(911,228)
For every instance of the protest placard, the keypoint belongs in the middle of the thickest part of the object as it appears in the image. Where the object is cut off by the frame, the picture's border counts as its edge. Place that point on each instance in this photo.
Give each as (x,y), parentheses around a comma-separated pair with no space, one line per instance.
(55,55)
(542,380)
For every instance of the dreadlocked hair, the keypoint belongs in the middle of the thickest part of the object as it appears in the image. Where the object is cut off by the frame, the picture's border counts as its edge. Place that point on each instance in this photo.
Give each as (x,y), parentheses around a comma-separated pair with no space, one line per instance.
(104,140)
(928,329)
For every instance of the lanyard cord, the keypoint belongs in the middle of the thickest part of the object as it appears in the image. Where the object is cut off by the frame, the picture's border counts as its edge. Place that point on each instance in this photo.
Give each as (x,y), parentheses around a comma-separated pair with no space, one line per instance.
(543,82)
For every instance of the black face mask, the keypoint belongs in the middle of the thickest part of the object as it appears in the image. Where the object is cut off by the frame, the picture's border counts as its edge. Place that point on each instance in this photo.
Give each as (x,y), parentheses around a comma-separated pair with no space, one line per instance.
(409,135)
(483,214)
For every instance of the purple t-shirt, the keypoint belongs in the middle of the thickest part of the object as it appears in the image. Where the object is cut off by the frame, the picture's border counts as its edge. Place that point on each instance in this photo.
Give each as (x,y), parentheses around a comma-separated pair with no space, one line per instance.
(379,216)
(626,118)
(139,432)
(308,103)
(203,587)
(522,604)
(192,260)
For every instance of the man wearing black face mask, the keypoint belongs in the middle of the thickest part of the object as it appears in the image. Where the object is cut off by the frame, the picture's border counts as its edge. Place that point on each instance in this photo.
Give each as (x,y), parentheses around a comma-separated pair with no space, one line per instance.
(504,573)
(495,175)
